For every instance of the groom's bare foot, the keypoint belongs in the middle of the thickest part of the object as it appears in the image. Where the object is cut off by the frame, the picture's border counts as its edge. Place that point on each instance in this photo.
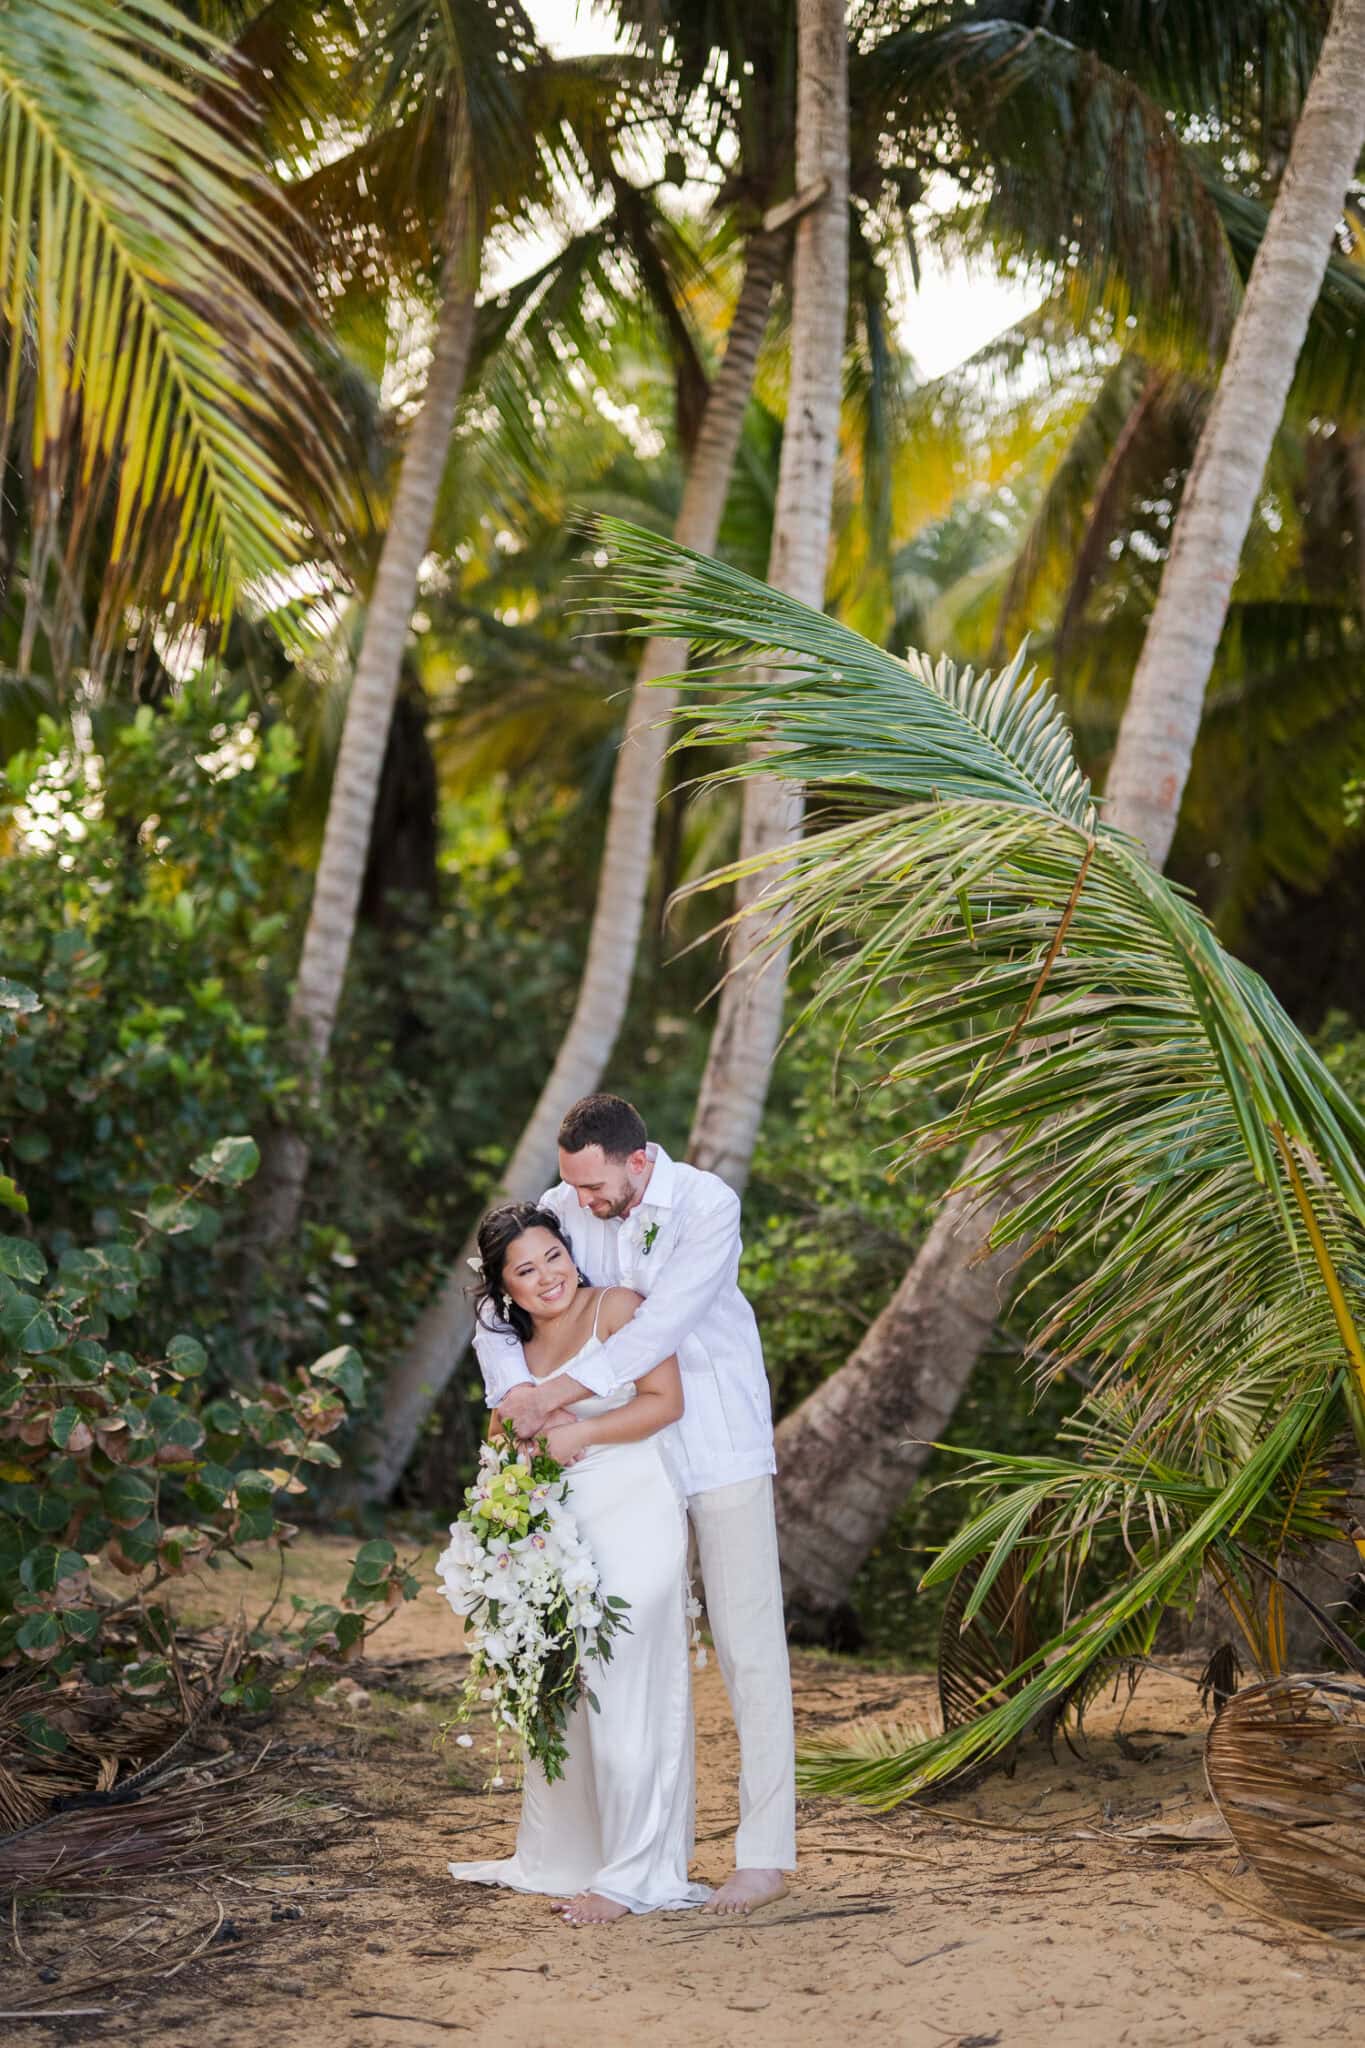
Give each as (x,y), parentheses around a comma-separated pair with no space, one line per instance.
(747,1890)
(588,1909)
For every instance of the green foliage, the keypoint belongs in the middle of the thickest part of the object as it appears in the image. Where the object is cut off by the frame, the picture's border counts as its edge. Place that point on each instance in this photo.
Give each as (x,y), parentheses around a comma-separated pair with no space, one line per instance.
(119,1460)
(1188,1169)
(168,427)
(140,900)
(829,1231)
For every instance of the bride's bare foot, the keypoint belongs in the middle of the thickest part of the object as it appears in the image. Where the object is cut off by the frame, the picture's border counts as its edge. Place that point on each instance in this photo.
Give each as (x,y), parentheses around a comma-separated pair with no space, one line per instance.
(590,1910)
(746,1890)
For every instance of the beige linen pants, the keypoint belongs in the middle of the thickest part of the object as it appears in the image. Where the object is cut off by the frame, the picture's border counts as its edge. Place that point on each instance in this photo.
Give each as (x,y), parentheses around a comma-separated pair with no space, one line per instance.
(736,1532)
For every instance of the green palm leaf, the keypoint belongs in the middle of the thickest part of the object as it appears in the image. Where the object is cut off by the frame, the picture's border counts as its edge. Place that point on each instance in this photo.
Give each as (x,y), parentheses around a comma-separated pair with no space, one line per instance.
(1158,1121)
(160,409)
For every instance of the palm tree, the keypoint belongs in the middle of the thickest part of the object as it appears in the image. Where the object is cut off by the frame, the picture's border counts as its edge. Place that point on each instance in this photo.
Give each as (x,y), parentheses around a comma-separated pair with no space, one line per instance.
(886,81)
(1082,163)
(468,107)
(1138,1098)
(761,118)
(947,1304)
(161,433)
(744,1039)
(1157,736)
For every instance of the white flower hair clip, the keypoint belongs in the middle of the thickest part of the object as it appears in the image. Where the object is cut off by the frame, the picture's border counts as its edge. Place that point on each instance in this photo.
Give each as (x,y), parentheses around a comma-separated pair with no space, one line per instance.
(475,1266)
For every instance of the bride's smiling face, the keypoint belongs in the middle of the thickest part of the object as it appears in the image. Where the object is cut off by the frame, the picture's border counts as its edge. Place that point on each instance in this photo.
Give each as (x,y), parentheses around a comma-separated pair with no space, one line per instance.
(539,1273)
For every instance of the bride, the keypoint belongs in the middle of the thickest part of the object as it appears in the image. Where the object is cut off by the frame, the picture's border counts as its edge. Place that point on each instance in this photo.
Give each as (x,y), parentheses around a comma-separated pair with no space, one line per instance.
(614,1834)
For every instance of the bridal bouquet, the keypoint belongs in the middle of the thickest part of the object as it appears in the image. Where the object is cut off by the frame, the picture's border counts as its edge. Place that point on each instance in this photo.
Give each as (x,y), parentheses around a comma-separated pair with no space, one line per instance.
(518,1573)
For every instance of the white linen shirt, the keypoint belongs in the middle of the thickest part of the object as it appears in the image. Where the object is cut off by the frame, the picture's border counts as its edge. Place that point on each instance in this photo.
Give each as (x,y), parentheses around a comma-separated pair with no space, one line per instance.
(689,1276)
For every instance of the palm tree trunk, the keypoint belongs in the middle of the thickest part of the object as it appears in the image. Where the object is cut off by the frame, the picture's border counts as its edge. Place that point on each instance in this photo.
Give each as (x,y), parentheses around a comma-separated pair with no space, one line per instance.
(842,1477)
(744,1040)
(443,1331)
(1156,739)
(369,711)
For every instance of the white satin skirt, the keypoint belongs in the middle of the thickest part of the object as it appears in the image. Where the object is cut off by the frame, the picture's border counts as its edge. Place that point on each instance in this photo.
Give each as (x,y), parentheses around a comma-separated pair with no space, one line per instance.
(621,1820)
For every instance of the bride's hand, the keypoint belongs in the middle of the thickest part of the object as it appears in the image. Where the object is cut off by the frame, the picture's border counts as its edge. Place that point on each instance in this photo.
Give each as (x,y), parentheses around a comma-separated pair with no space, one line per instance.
(566,1442)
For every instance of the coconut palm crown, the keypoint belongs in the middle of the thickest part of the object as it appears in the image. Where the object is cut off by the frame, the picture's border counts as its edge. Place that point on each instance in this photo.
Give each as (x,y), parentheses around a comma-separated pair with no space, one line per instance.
(1164,1129)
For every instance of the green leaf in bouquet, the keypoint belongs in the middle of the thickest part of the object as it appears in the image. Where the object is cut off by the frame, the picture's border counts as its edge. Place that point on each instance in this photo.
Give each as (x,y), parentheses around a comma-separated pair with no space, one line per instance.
(344,1369)
(229,1163)
(20,1259)
(11,1196)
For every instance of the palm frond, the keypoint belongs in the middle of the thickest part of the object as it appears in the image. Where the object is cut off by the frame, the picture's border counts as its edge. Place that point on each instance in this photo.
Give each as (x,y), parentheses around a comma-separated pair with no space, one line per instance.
(1158,1123)
(162,414)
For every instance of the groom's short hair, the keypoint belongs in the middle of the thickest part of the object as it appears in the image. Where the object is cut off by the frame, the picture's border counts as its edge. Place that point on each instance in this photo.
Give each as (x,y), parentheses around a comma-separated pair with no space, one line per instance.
(605,1120)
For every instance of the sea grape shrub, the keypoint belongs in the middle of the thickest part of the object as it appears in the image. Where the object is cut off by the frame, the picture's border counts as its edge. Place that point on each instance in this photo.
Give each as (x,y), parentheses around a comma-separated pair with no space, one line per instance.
(120,1468)
(144,900)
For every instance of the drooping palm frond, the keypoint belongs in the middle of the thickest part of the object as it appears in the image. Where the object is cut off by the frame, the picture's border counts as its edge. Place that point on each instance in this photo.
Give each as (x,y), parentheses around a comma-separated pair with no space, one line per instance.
(1286,1767)
(1160,1122)
(163,423)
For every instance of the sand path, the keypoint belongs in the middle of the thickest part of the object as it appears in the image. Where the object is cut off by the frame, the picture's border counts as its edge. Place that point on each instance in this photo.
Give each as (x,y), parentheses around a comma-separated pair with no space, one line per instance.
(904,1928)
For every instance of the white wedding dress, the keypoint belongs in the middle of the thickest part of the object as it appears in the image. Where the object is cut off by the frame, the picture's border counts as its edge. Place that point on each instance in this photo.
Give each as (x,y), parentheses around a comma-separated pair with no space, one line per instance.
(620,1822)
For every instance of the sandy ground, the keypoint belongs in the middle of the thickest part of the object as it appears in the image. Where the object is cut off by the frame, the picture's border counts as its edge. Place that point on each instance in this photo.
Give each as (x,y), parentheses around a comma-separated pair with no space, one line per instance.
(1043,1923)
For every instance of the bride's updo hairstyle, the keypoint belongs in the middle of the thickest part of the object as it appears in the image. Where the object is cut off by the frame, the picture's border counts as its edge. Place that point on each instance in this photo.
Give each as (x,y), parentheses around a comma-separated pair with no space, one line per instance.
(498,1232)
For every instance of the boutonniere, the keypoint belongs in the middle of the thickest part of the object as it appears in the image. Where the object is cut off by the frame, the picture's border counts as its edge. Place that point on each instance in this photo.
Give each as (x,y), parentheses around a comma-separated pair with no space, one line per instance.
(651,1232)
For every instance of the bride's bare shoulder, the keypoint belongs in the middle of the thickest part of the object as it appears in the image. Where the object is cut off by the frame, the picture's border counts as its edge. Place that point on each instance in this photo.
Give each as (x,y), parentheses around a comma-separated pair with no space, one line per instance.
(618,1305)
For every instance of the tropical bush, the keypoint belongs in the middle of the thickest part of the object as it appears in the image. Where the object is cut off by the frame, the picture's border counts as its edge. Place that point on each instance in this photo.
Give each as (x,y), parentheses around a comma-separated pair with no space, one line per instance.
(139,900)
(118,1460)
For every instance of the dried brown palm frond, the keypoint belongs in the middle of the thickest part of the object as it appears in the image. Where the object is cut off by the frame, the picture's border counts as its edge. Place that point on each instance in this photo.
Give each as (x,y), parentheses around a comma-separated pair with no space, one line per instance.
(110,1742)
(977,1653)
(203,1820)
(1220,1677)
(1285,1765)
(983,1657)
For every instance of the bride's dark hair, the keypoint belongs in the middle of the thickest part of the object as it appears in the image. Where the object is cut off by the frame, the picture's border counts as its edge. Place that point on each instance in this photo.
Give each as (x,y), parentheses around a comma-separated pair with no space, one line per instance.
(497,1234)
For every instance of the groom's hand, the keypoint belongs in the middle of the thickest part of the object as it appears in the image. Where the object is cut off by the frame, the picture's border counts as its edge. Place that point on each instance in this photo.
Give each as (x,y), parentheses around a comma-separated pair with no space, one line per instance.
(526,1408)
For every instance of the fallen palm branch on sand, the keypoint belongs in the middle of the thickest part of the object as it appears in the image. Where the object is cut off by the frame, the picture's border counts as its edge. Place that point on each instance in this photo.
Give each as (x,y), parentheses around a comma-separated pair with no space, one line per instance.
(110,1745)
(1286,1765)
(107,1901)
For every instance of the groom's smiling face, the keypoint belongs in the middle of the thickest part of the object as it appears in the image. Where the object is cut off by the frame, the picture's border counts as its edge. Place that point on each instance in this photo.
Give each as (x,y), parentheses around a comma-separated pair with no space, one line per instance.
(608,1187)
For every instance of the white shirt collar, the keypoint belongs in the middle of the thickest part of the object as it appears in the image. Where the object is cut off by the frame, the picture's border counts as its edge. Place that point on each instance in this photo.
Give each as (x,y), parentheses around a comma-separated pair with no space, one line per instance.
(662,1183)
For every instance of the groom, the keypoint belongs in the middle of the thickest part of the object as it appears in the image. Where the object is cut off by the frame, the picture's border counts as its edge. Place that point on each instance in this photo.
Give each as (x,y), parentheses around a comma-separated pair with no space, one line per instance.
(637,1218)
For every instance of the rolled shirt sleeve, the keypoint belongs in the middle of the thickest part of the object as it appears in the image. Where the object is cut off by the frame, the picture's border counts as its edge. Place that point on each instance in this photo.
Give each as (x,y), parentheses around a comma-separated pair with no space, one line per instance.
(501,1361)
(702,1261)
